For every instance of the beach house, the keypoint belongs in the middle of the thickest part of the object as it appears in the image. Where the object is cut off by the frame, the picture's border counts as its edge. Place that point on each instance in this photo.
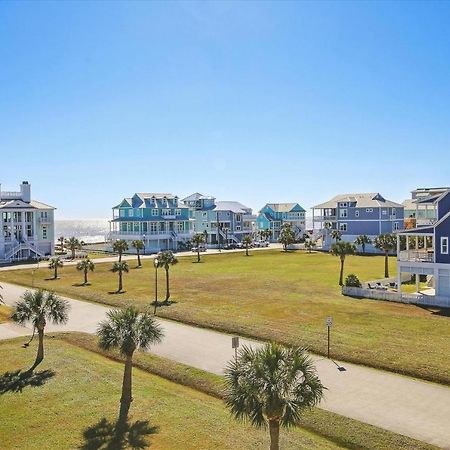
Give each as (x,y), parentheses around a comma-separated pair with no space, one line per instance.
(27,226)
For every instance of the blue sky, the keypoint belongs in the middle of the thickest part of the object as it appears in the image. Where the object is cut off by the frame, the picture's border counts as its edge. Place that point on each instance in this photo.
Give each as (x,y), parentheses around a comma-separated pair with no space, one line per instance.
(256,102)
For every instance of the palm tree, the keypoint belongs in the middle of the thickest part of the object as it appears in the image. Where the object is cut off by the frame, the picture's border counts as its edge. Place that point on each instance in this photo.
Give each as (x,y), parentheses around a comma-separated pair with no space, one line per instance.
(167,259)
(120,267)
(271,387)
(198,239)
(363,240)
(265,234)
(86,265)
(342,249)
(336,235)
(387,243)
(138,245)
(1,296)
(310,244)
(61,241)
(287,236)
(73,244)
(247,241)
(128,330)
(38,307)
(54,264)
(120,246)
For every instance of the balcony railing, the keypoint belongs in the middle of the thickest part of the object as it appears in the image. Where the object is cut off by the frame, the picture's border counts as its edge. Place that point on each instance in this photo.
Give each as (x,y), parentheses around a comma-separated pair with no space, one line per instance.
(325,218)
(416,256)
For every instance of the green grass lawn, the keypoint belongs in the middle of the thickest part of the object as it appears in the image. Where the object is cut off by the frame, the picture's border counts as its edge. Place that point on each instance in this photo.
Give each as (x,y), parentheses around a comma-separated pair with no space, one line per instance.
(279,296)
(86,388)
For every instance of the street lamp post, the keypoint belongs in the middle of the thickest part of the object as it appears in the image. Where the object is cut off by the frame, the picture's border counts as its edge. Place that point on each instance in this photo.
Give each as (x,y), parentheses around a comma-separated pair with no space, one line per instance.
(155,264)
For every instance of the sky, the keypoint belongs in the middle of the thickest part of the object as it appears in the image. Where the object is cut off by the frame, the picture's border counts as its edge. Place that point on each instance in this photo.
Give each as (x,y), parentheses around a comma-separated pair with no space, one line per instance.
(250,101)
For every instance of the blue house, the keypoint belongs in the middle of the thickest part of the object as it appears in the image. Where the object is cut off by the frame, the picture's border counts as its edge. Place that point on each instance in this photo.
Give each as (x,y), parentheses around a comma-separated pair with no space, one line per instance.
(425,250)
(274,215)
(356,214)
(223,222)
(160,220)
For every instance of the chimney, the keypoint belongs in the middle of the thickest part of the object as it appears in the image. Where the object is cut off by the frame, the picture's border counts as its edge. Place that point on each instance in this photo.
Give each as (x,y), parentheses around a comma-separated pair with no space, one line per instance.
(25,190)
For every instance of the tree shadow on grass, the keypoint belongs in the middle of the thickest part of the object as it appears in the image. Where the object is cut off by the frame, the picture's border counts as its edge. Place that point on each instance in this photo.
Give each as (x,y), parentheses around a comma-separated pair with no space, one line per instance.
(17,381)
(106,435)
(116,292)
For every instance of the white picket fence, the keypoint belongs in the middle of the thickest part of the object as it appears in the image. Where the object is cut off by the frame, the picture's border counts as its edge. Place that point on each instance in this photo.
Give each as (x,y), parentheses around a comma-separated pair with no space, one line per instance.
(378,294)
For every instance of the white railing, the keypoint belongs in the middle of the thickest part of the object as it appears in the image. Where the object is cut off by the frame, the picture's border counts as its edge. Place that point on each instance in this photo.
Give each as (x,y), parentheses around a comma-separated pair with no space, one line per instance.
(416,299)
(425,222)
(324,218)
(416,256)
(11,195)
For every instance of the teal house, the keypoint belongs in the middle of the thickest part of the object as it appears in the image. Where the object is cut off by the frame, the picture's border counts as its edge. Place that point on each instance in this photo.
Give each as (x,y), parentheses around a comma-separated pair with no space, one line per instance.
(274,215)
(160,220)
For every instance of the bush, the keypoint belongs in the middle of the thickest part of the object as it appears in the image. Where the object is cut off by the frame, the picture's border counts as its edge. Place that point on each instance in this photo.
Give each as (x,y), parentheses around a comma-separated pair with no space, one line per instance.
(352,281)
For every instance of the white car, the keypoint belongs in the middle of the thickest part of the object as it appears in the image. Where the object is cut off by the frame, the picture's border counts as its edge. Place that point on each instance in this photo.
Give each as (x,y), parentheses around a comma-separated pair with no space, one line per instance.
(201,249)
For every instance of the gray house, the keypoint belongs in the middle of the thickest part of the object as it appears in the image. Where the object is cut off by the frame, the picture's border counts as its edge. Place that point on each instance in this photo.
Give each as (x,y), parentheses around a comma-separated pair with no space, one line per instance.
(356,214)
(223,222)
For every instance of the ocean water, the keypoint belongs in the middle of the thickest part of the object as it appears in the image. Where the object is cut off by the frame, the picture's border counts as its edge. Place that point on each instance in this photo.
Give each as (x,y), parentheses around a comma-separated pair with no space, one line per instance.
(87,230)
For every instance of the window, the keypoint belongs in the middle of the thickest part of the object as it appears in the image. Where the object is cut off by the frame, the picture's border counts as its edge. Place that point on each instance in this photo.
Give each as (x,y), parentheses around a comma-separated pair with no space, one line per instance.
(180,226)
(396,226)
(44,232)
(204,214)
(384,212)
(238,217)
(369,210)
(130,213)
(178,212)
(356,213)
(153,227)
(165,212)
(394,212)
(343,213)
(342,227)
(343,205)
(121,213)
(154,212)
(444,245)
(238,228)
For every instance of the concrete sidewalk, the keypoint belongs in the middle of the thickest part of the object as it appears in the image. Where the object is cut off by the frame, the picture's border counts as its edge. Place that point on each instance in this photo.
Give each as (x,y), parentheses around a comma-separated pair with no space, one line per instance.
(404,405)
(113,258)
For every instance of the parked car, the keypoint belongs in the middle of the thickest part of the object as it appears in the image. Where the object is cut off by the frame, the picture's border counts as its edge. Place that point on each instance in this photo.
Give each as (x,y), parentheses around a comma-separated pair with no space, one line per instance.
(200,248)
(229,246)
(239,245)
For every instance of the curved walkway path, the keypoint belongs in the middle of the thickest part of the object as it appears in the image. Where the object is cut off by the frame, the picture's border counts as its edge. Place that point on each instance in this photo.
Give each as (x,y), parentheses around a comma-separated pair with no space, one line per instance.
(404,405)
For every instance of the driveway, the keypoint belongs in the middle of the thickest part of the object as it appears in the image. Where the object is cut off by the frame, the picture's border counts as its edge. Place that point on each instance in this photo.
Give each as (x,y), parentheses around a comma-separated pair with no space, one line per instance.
(401,404)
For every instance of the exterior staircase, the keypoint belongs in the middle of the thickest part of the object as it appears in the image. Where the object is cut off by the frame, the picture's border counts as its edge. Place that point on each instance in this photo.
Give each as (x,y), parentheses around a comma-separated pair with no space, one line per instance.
(25,245)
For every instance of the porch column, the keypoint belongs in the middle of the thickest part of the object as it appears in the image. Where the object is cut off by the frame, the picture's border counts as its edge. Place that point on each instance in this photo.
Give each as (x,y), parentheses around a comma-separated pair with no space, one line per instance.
(398,246)
(417,283)
(399,282)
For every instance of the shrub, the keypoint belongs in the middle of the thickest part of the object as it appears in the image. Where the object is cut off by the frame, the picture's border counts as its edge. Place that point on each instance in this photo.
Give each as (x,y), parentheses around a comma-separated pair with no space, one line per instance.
(352,281)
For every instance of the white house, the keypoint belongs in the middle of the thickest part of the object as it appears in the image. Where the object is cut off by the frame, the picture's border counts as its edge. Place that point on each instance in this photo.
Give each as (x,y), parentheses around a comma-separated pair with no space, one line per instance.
(27,226)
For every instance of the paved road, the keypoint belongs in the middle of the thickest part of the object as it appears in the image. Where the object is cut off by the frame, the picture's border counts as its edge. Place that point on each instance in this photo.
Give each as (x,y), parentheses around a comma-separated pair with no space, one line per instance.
(407,406)
(113,258)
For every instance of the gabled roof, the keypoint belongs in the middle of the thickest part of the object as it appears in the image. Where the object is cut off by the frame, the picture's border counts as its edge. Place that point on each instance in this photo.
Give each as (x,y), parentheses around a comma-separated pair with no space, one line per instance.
(235,207)
(197,196)
(284,207)
(364,200)
(34,204)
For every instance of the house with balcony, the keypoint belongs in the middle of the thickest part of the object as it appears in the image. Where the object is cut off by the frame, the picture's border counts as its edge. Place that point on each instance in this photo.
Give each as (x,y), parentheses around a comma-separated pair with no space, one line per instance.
(356,214)
(274,215)
(222,222)
(425,250)
(160,220)
(27,226)
(418,209)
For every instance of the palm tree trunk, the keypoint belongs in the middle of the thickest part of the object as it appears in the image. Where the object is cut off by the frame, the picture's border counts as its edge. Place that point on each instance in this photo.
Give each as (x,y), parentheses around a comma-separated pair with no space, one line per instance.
(198,255)
(364,248)
(139,257)
(246,250)
(126,398)
(40,352)
(120,256)
(120,281)
(56,272)
(167,285)
(341,274)
(274,430)
(386,264)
